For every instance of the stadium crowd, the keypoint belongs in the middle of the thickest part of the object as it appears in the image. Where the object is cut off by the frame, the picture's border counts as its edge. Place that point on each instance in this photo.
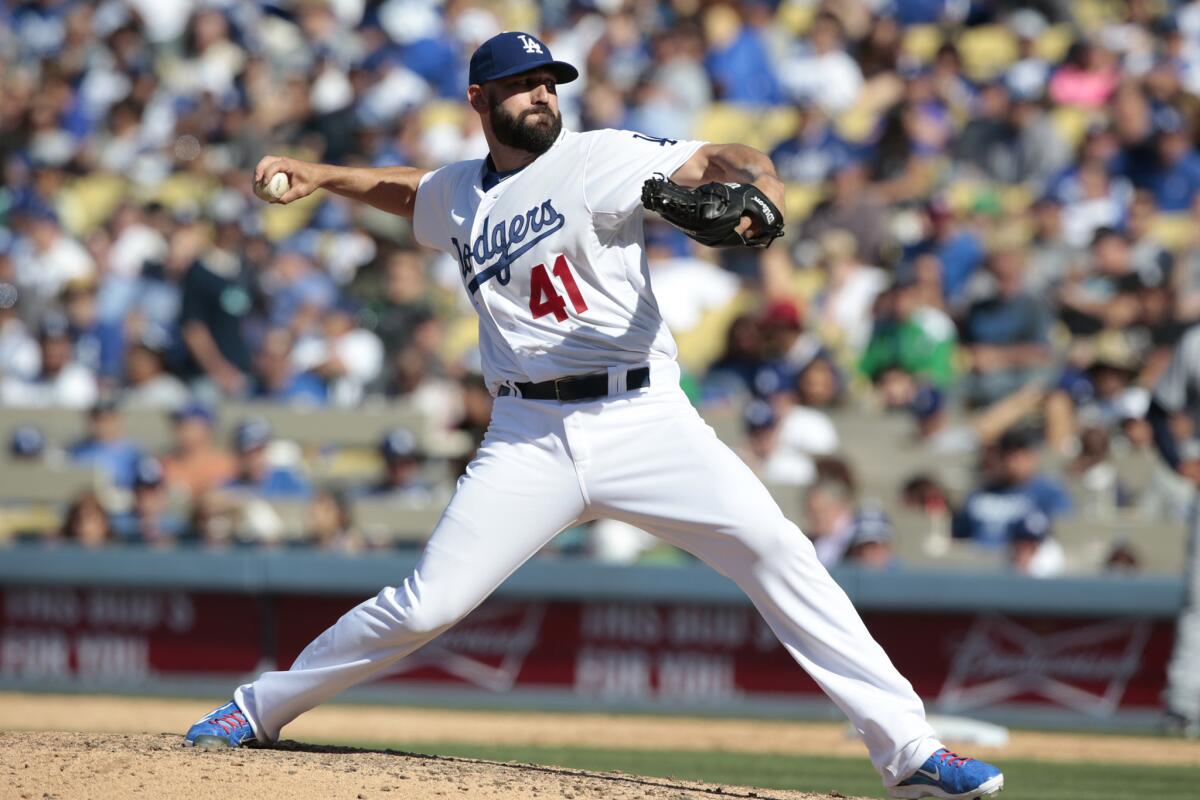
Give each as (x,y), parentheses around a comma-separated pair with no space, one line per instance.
(993,235)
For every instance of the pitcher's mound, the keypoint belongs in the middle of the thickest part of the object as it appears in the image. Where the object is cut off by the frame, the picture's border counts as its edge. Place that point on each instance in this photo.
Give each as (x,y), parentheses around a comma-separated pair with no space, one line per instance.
(42,765)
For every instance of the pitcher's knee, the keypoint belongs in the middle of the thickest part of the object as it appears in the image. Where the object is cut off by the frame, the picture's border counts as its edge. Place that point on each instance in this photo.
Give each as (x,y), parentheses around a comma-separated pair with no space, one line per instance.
(427,618)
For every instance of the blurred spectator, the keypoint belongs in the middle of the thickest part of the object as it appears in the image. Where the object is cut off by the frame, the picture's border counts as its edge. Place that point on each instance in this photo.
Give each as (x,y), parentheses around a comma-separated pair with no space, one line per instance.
(86,523)
(1176,179)
(1032,550)
(830,510)
(331,524)
(106,448)
(914,338)
(841,311)
(278,379)
(851,207)
(346,357)
(60,380)
(735,370)
(402,462)
(99,345)
(738,61)
(814,152)
(255,472)
(20,358)
(26,442)
(1007,334)
(215,302)
(47,259)
(1012,488)
(782,449)
(1104,296)
(821,71)
(149,520)
(405,301)
(1087,79)
(871,544)
(150,386)
(195,462)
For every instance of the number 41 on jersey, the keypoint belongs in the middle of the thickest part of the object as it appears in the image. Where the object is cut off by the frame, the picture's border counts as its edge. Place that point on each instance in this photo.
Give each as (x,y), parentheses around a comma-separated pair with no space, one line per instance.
(544,298)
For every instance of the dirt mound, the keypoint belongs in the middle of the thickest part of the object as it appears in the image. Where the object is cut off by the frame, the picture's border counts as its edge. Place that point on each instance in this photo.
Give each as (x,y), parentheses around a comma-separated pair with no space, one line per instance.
(46,765)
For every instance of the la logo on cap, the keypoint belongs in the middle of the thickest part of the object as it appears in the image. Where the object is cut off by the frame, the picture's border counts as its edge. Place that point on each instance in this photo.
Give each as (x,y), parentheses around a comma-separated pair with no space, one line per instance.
(531,45)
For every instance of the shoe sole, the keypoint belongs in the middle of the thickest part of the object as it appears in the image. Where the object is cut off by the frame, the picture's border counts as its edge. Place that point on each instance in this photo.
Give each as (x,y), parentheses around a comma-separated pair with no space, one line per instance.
(987,789)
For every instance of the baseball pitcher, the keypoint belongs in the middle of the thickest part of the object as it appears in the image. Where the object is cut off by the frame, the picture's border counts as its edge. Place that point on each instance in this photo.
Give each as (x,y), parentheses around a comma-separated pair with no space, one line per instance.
(589,420)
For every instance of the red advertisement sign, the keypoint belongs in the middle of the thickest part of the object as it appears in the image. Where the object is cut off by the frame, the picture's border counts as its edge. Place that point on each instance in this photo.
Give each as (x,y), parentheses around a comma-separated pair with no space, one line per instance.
(629,652)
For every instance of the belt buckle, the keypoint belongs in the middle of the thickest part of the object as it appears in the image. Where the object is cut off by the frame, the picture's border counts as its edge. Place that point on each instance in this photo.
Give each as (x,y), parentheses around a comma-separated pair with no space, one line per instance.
(557,391)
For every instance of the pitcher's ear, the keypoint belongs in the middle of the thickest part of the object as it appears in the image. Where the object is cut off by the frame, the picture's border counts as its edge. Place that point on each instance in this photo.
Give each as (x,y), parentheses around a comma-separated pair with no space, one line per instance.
(476,99)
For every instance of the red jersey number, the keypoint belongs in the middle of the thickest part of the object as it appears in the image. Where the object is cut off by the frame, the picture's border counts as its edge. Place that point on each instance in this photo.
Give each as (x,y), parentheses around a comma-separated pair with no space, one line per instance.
(544,298)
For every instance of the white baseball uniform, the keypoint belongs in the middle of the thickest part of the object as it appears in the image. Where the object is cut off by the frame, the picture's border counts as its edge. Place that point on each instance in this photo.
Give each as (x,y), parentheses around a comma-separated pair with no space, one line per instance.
(552,257)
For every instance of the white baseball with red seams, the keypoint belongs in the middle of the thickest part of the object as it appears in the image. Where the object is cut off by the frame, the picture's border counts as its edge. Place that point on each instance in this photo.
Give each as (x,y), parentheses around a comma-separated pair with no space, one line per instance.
(552,257)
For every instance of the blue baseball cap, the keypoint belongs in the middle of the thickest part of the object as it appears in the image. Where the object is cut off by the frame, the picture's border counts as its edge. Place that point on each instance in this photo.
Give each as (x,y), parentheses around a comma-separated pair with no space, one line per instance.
(511,53)
(251,434)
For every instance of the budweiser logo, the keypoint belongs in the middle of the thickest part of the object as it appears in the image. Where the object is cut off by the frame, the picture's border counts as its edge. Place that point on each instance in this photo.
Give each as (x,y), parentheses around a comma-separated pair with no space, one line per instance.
(487,649)
(1084,668)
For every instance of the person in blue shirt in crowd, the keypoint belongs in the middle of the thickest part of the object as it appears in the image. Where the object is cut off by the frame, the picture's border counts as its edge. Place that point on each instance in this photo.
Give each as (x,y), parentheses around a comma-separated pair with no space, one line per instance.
(1011,489)
(1176,180)
(149,520)
(106,447)
(1007,334)
(255,473)
(816,150)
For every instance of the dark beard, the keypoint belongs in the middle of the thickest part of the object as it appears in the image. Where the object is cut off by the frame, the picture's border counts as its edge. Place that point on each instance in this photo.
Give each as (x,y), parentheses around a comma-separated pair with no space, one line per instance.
(513,132)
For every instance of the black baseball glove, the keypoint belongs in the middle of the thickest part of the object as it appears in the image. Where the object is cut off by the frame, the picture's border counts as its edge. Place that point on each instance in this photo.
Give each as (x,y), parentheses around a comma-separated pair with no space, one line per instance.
(711,213)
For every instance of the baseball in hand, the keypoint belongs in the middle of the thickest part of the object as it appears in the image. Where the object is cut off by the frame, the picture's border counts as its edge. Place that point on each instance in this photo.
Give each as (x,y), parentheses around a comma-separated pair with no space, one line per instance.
(272,189)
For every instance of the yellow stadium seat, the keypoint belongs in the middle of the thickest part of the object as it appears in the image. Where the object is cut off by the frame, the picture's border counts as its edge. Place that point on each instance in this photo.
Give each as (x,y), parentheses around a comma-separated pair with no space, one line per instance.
(280,222)
(777,125)
(921,42)
(90,201)
(1175,231)
(1054,42)
(795,17)
(856,124)
(703,344)
(443,112)
(725,122)
(802,198)
(987,50)
(1071,123)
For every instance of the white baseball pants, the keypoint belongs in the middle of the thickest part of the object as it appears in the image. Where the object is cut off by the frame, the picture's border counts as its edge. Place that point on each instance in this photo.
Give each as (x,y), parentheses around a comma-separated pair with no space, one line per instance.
(646,458)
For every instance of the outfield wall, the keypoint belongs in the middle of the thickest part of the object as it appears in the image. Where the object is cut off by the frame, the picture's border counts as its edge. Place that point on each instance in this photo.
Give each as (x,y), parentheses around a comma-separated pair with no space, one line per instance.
(1079,652)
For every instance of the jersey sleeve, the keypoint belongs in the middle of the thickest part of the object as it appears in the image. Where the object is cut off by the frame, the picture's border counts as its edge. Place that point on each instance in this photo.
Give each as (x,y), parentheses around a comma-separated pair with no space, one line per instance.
(619,162)
(432,208)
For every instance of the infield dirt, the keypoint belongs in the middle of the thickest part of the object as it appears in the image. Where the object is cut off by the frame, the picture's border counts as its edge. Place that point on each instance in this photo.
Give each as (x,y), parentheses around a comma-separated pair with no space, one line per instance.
(58,765)
(78,746)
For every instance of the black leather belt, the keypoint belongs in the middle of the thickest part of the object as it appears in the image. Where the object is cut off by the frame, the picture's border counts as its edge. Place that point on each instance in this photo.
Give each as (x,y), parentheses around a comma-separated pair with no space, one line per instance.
(579,387)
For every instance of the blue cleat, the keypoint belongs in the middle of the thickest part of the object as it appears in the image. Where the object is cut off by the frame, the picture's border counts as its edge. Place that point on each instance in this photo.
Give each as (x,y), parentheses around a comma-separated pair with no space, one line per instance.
(952,777)
(225,727)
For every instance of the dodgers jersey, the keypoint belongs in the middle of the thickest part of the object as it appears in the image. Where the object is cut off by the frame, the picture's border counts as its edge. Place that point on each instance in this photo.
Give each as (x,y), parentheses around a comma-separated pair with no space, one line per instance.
(552,256)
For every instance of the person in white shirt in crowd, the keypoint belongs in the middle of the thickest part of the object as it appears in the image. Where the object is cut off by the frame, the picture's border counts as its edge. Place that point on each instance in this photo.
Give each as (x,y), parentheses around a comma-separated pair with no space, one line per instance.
(347,357)
(1032,550)
(148,384)
(60,380)
(18,350)
(842,310)
(823,72)
(782,448)
(47,259)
